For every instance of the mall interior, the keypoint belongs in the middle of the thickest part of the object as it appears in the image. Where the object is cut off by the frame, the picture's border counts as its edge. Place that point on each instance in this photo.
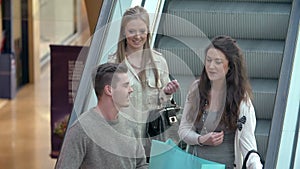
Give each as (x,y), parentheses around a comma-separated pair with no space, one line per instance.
(29,27)
(41,39)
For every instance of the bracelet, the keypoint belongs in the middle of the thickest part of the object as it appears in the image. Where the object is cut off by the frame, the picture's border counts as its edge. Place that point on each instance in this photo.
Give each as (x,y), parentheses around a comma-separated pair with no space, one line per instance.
(200,144)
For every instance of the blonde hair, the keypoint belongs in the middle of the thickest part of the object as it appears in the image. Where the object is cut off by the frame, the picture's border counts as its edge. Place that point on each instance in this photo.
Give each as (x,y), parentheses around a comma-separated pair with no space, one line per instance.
(130,14)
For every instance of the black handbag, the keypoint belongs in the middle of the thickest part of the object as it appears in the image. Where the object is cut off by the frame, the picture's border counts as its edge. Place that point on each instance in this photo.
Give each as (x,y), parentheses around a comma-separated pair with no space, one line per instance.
(163,124)
(247,157)
(160,120)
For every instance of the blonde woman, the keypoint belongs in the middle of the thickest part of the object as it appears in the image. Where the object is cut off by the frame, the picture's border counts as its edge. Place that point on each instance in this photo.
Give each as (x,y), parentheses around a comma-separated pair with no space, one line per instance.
(147,69)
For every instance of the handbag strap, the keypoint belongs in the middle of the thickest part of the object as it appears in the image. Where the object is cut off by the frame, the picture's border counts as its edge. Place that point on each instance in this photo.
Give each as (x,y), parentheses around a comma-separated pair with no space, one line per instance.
(247,157)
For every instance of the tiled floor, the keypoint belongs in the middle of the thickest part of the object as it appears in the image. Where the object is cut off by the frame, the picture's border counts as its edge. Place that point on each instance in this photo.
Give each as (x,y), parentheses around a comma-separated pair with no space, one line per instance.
(25,127)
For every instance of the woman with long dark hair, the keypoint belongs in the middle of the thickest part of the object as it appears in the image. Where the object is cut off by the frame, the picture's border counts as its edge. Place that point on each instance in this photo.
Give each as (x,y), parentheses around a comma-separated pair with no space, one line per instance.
(218,118)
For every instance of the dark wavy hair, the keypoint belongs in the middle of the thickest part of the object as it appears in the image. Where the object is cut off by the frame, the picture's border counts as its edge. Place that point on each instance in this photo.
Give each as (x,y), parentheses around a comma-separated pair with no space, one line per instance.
(237,82)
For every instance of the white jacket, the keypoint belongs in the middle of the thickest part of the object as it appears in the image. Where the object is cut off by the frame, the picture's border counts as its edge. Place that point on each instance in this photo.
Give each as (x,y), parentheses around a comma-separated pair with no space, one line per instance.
(142,100)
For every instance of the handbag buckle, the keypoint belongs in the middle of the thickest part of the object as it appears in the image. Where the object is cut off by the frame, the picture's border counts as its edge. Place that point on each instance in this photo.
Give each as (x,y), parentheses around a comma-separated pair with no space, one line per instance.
(172,119)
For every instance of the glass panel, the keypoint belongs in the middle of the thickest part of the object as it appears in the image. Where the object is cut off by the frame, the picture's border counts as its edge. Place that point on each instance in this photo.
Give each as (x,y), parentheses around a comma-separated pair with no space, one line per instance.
(297,155)
(111,40)
(285,153)
(154,9)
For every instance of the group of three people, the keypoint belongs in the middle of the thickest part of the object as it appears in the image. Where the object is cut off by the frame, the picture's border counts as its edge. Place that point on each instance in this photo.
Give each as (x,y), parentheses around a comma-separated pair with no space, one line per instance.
(136,80)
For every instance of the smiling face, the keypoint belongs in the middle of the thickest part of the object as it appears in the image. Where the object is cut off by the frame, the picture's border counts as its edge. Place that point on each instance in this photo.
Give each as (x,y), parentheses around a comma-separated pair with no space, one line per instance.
(121,90)
(136,34)
(216,64)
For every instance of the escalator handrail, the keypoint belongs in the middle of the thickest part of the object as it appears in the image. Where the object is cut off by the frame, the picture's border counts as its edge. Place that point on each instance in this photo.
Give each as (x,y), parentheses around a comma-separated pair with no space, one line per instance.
(283,87)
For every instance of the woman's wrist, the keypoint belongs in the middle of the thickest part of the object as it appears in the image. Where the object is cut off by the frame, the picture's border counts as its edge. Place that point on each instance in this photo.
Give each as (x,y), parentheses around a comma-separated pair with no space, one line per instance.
(200,141)
(166,93)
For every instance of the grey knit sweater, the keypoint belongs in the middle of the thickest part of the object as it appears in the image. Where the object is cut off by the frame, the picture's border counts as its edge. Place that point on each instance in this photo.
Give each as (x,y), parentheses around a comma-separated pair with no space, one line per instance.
(92,142)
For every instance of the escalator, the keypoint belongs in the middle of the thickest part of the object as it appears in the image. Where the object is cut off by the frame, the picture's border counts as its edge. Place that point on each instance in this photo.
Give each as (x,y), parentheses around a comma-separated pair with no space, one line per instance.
(260,27)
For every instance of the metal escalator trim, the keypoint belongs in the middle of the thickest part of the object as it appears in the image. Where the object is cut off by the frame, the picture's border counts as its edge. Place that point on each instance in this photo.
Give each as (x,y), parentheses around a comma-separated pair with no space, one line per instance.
(93,58)
(283,88)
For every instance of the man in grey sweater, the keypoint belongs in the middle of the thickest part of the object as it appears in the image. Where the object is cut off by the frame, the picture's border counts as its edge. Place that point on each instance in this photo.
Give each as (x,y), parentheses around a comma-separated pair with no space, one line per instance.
(103,137)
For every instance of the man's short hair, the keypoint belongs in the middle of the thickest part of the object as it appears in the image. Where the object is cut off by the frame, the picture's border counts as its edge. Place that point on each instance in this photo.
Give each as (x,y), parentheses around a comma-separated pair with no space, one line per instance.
(104,74)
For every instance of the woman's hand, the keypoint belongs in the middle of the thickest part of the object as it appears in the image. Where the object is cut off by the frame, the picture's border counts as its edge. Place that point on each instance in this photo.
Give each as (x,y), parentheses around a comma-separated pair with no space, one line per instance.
(212,138)
(171,87)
